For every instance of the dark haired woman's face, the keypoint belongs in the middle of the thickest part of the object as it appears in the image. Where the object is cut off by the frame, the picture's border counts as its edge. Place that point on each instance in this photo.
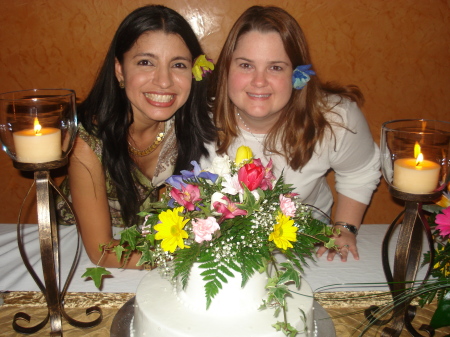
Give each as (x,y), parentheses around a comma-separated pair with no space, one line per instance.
(260,78)
(157,73)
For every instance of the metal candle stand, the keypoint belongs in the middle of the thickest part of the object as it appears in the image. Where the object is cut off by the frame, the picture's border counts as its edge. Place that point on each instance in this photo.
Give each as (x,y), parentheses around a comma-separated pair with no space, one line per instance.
(415,163)
(49,247)
(406,261)
(37,130)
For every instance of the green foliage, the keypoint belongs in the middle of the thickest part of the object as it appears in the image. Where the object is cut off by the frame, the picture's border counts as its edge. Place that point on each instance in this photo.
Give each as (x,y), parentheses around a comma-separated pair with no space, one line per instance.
(130,236)
(96,274)
(184,261)
(286,328)
(146,254)
(250,204)
(119,251)
(290,274)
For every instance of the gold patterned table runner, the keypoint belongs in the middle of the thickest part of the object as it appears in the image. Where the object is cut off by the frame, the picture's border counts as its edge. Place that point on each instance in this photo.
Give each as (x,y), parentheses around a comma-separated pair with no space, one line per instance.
(345,309)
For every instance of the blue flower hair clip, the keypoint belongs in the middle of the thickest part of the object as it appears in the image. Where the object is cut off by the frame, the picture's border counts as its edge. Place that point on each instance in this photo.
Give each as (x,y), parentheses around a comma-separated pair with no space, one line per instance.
(301,76)
(202,66)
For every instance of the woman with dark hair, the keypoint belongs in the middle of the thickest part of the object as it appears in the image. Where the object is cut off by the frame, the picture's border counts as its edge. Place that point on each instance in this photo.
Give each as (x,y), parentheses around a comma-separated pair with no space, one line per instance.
(266,96)
(145,117)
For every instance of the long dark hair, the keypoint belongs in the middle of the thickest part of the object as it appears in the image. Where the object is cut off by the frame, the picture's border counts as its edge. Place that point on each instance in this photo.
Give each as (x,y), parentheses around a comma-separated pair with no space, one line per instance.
(106,112)
(302,123)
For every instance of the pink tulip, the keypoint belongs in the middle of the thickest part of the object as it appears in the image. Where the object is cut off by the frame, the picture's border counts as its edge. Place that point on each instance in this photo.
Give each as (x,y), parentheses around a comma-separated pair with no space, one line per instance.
(251,175)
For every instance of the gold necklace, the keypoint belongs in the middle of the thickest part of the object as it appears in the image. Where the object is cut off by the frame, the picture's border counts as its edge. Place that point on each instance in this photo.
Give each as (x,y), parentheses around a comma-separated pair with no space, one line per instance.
(142,153)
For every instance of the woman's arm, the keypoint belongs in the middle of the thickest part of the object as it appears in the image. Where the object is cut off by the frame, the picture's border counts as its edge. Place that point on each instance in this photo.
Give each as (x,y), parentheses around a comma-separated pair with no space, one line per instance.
(90,204)
(351,212)
(356,162)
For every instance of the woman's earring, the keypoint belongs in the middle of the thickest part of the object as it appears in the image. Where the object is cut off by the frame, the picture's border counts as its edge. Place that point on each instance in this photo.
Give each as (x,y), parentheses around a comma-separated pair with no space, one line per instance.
(122,84)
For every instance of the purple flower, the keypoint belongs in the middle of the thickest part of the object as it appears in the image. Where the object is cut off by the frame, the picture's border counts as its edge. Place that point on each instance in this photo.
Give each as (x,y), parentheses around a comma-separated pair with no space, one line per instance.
(179,181)
(301,76)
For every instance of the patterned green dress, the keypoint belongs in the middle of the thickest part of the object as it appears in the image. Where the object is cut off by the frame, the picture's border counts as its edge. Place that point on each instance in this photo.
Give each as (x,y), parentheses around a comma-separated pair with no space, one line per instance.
(146,187)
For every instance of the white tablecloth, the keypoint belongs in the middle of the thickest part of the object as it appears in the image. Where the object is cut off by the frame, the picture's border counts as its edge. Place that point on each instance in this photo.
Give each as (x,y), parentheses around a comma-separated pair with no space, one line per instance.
(352,275)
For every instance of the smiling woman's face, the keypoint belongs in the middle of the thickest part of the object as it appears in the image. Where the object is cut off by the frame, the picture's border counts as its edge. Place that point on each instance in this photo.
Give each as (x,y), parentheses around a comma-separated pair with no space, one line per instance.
(157,73)
(260,77)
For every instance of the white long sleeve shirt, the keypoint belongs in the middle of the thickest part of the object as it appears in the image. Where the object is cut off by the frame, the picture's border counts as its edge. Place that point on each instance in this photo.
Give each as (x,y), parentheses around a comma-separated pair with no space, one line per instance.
(354,157)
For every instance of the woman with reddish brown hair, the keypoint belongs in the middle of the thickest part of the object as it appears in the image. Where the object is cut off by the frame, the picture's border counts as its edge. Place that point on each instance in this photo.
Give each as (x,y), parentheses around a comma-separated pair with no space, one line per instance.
(266,96)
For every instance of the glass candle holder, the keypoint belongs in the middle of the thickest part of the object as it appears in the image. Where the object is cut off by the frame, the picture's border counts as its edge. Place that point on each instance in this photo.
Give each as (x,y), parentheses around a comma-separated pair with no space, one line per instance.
(415,155)
(38,126)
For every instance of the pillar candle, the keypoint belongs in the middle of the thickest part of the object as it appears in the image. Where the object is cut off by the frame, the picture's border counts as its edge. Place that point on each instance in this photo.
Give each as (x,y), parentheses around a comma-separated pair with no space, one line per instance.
(41,147)
(415,178)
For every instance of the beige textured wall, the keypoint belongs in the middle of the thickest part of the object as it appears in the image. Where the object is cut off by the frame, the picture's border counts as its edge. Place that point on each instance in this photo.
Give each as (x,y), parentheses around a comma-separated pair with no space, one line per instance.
(396,51)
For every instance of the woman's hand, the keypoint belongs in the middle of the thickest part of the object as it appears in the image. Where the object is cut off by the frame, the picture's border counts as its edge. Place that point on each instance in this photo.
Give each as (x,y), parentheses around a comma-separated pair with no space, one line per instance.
(346,243)
(351,212)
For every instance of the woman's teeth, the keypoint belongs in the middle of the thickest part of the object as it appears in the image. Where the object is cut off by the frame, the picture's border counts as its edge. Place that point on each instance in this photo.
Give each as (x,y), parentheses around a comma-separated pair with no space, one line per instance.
(159,98)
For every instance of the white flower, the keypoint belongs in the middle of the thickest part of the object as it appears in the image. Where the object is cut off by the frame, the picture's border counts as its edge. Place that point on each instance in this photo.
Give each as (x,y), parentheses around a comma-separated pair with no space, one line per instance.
(231,185)
(255,194)
(220,165)
(217,196)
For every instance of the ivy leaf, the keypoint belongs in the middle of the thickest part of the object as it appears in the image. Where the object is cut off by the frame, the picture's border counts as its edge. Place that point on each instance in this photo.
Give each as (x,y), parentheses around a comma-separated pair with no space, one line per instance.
(279,293)
(118,250)
(146,255)
(131,236)
(272,281)
(290,274)
(263,306)
(150,238)
(330,244)
(96,274)
(286,328)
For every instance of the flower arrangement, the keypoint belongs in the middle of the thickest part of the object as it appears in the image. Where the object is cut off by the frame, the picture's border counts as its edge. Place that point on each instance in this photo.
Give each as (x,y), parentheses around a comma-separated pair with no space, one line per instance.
(229,218)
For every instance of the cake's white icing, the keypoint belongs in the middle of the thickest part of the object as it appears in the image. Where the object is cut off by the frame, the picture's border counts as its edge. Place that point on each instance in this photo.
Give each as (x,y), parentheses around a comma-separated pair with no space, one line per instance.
(162,310)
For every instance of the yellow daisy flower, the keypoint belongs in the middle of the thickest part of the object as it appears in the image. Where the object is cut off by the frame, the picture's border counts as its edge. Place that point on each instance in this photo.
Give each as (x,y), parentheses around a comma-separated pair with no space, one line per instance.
(445,269)
(170,230)
(284,232)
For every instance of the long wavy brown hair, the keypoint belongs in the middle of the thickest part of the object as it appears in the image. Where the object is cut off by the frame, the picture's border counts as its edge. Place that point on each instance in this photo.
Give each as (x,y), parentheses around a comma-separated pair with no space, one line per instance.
(302,123)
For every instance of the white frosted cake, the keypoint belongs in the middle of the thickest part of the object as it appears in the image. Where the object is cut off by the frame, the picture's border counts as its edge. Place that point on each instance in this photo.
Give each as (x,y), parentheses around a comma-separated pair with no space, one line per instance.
(163,311)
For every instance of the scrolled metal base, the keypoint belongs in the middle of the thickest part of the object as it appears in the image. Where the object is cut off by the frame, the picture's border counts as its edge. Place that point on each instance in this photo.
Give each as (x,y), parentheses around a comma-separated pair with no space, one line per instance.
(406,262)
(49,247)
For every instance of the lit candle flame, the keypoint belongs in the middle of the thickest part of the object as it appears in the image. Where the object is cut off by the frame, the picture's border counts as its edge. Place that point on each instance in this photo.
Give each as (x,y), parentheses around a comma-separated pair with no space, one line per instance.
(416,150)
(418,155)
(37,127)
(419,159)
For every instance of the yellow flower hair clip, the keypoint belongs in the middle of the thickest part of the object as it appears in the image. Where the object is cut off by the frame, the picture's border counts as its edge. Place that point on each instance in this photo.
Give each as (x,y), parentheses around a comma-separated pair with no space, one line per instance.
(201,66)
